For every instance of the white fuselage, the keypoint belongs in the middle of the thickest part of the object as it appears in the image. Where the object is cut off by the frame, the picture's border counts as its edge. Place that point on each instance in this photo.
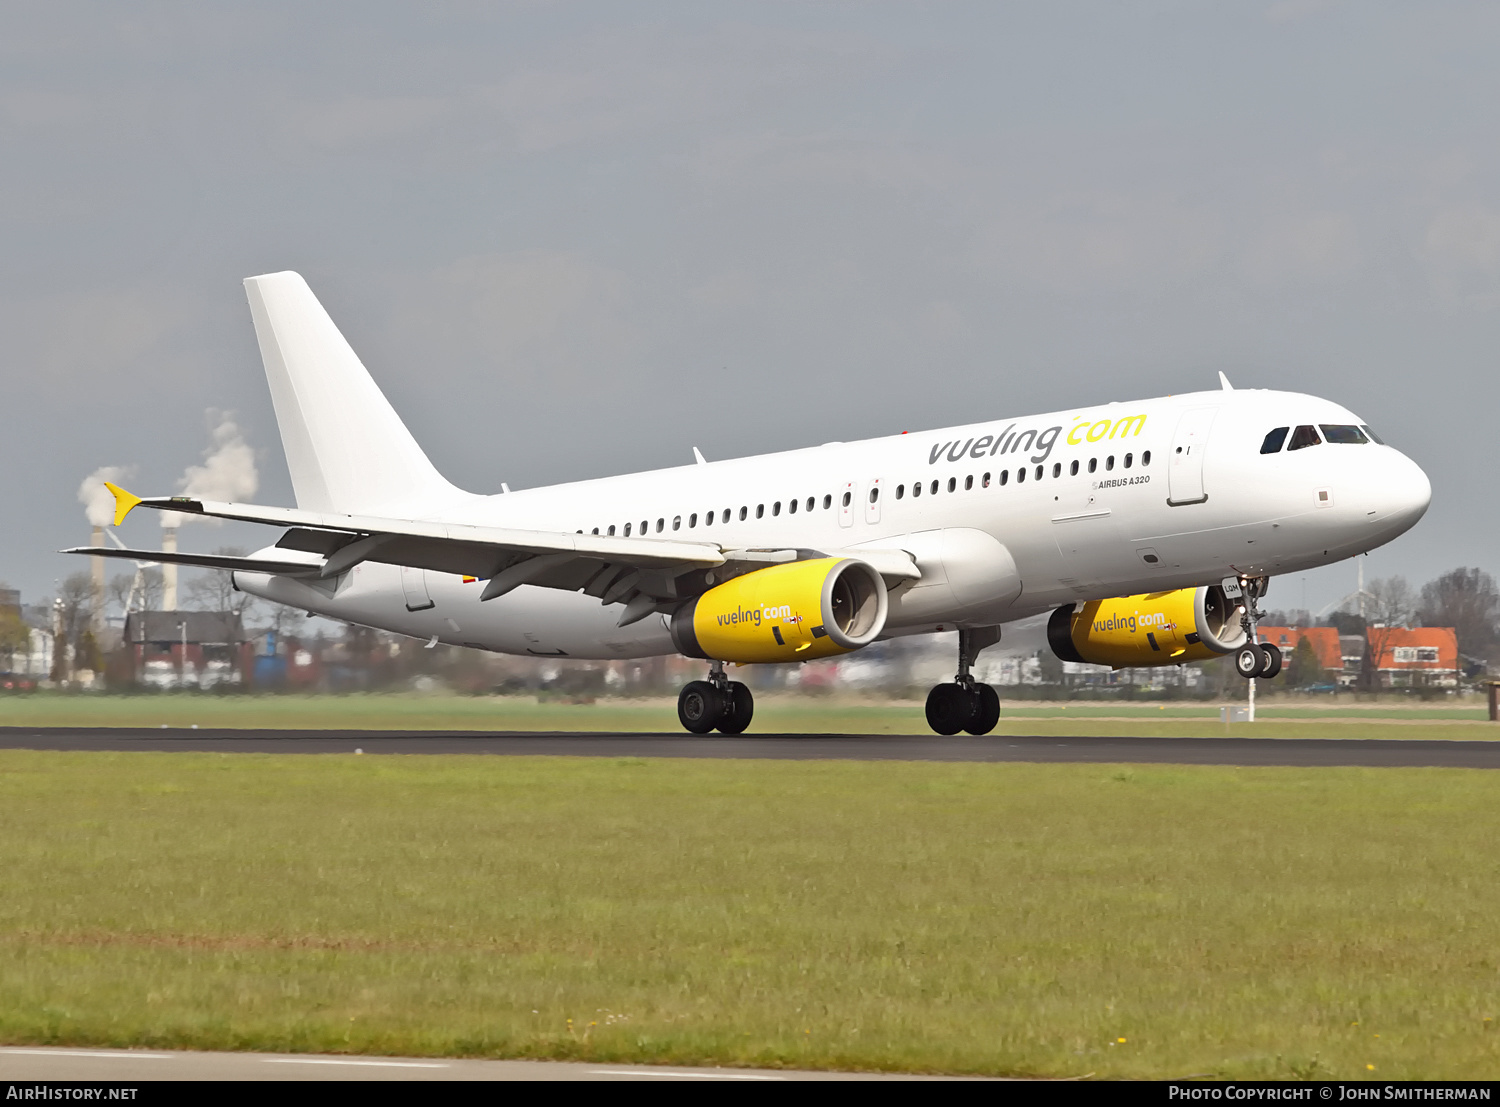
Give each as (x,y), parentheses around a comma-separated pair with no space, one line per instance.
(992,546)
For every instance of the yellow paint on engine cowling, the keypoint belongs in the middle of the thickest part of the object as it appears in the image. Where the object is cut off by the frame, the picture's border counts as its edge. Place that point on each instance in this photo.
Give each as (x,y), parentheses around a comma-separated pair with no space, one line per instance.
(779,613)
(1132,631)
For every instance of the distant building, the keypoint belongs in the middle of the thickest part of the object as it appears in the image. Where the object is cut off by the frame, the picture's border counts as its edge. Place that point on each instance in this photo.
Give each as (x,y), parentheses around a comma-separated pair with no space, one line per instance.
(1324,641)
(188,649)
(1414,657)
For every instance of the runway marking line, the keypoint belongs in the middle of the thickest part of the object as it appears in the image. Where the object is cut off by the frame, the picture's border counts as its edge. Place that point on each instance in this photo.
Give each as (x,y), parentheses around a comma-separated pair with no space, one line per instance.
(683,1075)
(91,1053)
(373,1064)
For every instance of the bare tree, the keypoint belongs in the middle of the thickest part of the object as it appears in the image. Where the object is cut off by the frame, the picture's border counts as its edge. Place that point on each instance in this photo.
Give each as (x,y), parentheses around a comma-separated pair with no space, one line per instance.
(1389,606)
(15,635)
(74,607)
(214,590)
(1466,600)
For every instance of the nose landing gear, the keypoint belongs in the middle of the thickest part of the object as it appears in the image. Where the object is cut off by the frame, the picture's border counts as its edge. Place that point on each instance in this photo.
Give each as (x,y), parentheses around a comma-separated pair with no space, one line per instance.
(717,703)
(1255,659)
(964,704)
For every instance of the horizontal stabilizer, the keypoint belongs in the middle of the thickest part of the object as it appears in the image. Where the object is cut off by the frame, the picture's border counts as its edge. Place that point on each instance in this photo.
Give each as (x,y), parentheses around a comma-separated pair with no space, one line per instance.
(202,561)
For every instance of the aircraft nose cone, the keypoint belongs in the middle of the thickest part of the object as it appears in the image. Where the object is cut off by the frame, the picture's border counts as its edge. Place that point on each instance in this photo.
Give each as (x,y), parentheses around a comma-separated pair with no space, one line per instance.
(1405,492)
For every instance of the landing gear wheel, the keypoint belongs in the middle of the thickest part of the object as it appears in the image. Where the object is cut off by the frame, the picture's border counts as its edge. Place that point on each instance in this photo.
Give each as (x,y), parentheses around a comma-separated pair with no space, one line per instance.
(1273,661)
(986,710)
(739,706)
(700,706)
(1249,661)
(951,708)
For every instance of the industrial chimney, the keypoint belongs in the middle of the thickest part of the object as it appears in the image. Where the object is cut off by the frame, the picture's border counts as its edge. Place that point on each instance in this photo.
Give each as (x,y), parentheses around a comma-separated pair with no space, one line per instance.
(169,570)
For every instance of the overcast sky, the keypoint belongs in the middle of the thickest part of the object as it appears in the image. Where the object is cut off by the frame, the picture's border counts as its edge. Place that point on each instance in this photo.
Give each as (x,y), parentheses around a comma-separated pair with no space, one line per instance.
(578,239)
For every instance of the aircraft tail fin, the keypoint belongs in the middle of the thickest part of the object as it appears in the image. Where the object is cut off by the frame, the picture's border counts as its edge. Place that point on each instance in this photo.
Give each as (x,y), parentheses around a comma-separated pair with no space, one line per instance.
(347,449)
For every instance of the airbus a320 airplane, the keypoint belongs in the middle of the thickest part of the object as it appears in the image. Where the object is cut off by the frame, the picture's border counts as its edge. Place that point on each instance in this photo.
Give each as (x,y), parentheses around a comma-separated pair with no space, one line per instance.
(1148,528)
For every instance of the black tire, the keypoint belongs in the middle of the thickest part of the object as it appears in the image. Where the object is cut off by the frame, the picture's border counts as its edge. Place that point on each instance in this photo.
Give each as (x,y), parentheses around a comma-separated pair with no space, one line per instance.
(700,706)
(739,709)
(950,708)
(1273,661)
(986,710)
(1249,660)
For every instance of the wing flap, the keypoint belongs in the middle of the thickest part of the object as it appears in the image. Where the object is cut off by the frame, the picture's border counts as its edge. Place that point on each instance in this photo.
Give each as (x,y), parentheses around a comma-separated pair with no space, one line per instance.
(203,561)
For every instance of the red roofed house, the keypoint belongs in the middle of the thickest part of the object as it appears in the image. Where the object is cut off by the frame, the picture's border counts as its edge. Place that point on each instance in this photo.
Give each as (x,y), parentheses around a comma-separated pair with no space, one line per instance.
(1324,641)
(1420,656)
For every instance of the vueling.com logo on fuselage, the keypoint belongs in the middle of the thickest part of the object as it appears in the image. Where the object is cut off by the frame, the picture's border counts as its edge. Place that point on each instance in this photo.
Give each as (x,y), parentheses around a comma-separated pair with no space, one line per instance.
(1130,622)
(1011,441)
(755,615)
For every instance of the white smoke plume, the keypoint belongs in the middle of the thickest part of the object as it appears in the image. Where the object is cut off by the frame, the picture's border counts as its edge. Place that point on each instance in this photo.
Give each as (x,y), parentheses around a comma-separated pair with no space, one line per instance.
(227,473)
(99,502)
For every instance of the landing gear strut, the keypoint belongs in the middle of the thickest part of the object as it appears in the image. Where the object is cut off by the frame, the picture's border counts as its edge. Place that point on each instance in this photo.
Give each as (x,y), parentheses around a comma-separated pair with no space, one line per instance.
(716,703)
(1255,659)
(964,704)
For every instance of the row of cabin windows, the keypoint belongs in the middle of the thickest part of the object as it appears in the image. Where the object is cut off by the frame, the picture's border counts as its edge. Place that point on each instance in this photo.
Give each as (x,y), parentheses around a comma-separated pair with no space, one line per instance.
(916,490)
(1037,474)
(1307,435)
(792,506)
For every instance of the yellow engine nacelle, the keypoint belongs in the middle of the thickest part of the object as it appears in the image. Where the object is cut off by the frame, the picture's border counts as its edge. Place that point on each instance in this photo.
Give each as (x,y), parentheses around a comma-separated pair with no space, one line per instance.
(1158,628)
(792,612)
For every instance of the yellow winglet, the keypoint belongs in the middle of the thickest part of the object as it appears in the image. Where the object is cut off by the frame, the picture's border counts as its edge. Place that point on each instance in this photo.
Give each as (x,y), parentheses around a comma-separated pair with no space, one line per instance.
(124,501)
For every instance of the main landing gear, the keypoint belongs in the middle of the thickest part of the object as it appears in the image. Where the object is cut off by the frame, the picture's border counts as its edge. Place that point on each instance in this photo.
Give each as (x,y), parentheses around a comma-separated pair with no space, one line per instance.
(717,703)
(1255,660)
(964,704)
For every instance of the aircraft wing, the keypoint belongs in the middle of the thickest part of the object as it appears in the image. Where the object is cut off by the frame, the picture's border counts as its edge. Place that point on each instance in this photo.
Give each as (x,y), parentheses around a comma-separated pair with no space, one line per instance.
(642,573)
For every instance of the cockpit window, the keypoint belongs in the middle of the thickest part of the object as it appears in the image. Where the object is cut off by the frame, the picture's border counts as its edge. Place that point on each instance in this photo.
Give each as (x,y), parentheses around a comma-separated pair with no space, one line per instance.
(1375,438)
(1348,436)
(1304,436)
(1273,441)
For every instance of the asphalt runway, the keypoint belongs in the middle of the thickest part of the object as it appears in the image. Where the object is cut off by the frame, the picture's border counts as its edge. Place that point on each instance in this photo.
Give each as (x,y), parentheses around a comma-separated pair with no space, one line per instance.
(40,1063)
(1208,750)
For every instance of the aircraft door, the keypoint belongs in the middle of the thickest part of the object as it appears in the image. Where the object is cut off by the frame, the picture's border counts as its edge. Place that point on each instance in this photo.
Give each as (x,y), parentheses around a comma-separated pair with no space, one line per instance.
(872,502)
(414,584)
(1185,467)
(846,504)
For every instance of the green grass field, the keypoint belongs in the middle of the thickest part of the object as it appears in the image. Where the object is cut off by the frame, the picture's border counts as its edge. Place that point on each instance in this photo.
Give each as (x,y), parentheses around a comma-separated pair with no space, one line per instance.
(844,714)
(1055,920)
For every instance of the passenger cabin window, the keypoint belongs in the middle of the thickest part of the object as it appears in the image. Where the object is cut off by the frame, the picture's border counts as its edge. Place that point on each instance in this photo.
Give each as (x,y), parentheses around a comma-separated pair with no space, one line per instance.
(1303,437)
(744,514)
(627,530)
(969,482)
(916,489)
(809,503)
(776,508)
(952,483)
(1128,459)
(791,507)
(1020,475)
(1274,440)
(1109,462)
(1004,477)
(874,494)
(1344,436)
(900,491)
(986,481)
(1057,469)
(827,502)
(1039,471)
(1093,464)
(1145,458)
(661,525)
(760,511)
(611,530)
(934,488)
(1073,468)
